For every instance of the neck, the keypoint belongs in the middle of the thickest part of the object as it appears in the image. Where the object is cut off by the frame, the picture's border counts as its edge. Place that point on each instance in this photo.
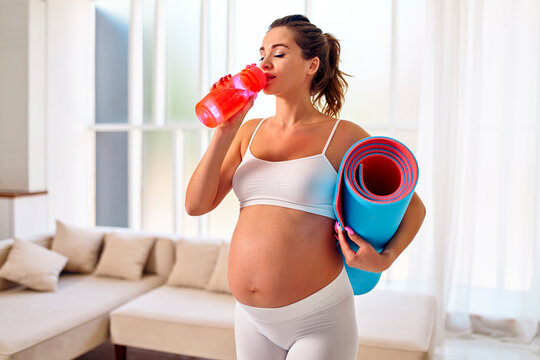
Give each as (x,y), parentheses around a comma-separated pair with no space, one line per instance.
(291,111)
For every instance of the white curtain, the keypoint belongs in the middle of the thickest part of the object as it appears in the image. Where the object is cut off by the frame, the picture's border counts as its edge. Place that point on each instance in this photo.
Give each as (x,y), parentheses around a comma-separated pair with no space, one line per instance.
(478,251)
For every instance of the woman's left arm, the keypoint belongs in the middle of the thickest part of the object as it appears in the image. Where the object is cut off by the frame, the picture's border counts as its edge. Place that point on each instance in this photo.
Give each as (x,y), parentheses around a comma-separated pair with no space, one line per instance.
(367,258)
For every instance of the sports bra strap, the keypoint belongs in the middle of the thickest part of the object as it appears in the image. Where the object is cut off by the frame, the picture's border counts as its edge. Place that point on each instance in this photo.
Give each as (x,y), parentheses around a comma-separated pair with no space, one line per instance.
(325,146)
(253,135)
(330,137)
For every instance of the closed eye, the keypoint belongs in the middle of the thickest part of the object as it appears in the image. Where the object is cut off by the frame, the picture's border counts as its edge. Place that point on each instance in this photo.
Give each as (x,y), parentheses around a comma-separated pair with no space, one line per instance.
(277,55)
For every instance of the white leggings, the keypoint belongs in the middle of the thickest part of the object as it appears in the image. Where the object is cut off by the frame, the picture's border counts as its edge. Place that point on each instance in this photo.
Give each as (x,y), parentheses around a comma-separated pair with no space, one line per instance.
(320,326)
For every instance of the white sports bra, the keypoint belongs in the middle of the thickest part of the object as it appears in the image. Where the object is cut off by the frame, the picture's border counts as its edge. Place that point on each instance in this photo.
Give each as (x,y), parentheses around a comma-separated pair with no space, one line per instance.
(305,184)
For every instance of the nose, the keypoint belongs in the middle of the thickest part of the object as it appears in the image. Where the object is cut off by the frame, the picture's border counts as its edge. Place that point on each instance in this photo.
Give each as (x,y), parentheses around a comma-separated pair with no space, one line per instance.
(265,64)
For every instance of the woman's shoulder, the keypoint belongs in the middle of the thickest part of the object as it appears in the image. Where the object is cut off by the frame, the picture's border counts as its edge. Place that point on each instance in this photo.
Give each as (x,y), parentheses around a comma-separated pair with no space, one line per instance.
(251,123)
(246,130)
(350,132)
(347,134)
(248,126)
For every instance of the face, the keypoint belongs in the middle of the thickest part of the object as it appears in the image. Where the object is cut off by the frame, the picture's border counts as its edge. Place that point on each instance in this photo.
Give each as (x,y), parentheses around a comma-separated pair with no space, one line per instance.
(287,72)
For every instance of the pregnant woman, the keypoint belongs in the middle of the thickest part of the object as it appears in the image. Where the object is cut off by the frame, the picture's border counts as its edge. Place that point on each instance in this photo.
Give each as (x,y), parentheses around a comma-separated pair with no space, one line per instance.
(293,296)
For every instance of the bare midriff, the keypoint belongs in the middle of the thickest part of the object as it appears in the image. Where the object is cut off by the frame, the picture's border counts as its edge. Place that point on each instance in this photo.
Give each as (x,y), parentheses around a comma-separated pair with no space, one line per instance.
(279,255)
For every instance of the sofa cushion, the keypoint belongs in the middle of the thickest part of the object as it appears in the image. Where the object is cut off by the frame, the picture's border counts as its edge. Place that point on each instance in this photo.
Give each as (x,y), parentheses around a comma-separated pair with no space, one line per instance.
(161,258)
(80,245)
(195,262)
(219,281)
(33,265)
(35,317)
(185,321)
(124,255)
(395,320)
(193,306)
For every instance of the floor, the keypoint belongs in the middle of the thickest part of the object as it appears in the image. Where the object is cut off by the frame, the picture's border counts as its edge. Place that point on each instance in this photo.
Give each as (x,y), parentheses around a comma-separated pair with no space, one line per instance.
(106,352)
(482,348)
(452,349)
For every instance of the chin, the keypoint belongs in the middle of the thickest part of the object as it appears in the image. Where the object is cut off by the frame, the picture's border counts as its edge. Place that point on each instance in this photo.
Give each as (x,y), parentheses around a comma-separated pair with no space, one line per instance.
(268,91)
(270,88)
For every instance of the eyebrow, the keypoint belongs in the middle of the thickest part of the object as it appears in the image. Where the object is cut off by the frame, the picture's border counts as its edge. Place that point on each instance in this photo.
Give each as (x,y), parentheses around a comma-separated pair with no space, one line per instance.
(274,46)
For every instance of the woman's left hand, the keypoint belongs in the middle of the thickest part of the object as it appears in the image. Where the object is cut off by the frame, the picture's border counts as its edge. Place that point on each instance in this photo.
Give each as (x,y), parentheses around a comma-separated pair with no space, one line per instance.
(366,258)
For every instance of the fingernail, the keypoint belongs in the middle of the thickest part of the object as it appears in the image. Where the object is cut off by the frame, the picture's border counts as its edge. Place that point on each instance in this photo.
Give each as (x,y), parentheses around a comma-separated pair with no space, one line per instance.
(336,226)
(349,230)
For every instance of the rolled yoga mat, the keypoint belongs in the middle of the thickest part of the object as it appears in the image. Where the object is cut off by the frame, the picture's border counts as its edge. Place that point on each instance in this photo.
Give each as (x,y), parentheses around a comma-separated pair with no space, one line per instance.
(375,184)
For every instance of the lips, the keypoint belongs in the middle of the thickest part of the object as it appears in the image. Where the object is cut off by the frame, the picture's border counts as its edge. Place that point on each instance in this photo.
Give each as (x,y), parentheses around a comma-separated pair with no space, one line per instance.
(269,77)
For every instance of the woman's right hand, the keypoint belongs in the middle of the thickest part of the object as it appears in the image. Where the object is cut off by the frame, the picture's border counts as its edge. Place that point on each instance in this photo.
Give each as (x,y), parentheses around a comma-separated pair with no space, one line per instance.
(221,81)
(233,124)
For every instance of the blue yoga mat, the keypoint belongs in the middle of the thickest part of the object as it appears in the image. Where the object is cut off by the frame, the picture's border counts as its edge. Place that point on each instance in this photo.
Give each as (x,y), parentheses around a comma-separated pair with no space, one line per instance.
(375,184)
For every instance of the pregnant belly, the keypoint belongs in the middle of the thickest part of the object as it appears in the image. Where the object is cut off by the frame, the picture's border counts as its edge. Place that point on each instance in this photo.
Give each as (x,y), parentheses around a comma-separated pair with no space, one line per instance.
(282,259)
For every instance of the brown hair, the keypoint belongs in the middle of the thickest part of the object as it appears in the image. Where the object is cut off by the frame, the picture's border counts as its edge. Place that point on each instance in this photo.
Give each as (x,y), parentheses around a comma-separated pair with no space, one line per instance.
(329,82)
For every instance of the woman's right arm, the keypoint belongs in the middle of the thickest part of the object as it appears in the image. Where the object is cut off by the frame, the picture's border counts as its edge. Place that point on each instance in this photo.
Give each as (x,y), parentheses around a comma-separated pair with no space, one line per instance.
(212,179)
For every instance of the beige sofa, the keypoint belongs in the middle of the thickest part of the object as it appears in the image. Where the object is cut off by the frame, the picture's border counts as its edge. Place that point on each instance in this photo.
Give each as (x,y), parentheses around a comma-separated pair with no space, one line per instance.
(72,320)
(88,309)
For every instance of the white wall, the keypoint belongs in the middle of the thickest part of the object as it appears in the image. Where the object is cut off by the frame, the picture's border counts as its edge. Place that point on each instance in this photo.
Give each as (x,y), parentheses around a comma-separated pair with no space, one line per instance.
(70,111)
(13,99)
(37,95)
(22,95)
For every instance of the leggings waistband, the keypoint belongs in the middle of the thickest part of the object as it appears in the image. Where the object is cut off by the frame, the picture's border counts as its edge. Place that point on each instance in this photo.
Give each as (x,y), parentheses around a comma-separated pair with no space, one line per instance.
(333,293)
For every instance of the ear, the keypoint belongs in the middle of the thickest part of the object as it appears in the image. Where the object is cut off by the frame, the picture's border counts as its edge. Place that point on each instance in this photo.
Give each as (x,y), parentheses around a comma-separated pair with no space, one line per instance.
(313,66)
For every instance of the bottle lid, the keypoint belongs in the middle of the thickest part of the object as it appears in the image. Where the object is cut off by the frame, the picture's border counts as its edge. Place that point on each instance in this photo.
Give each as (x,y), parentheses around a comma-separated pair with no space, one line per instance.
(259,76)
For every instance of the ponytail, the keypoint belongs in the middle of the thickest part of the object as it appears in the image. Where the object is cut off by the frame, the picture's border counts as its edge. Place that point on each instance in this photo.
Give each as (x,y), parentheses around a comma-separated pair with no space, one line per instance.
(329,85)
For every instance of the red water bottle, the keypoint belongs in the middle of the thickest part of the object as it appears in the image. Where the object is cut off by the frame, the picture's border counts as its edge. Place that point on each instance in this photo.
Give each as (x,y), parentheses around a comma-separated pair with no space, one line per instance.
(227,99)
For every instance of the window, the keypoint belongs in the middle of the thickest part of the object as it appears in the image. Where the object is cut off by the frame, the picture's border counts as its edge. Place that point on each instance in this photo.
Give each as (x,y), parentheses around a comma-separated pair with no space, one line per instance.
(155,59)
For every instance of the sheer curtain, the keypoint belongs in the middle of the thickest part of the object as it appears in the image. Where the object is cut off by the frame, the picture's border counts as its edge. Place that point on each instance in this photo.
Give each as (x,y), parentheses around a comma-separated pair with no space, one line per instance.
(478,250)
(479,153)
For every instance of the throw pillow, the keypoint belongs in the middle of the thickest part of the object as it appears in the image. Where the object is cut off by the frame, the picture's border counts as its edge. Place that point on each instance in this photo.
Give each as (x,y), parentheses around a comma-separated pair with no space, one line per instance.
(80,245)
(161,258)
(33,266)
(194,264)
(219,280)
(124,255)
